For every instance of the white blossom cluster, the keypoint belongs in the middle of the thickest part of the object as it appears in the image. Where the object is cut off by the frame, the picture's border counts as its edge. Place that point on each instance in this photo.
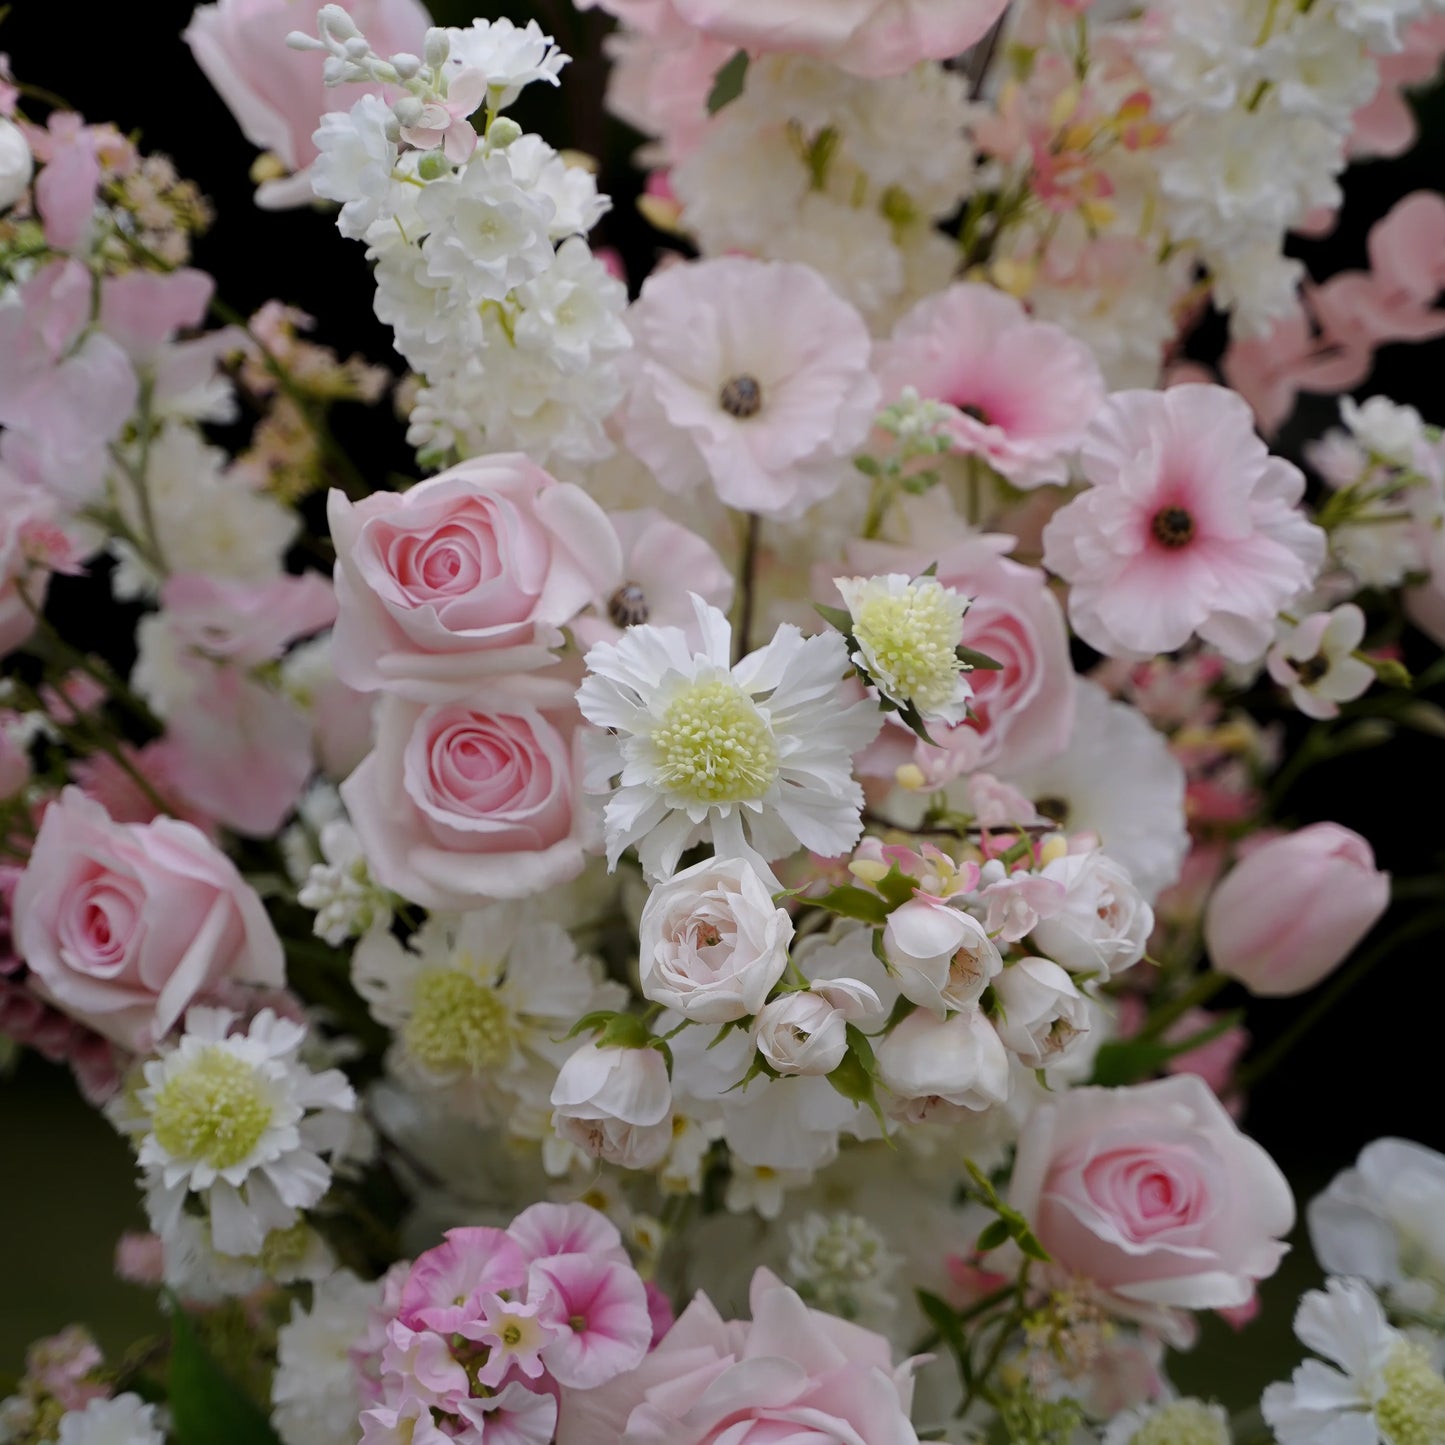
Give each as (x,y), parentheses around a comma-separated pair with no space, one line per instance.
(482,272)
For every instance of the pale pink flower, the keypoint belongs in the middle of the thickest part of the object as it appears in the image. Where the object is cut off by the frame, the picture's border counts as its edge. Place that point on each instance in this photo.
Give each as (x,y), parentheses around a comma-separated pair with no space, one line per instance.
(446,125)
(751,376)
(32,540)
(790,1374)
(1385,125)
(117,791)
(866,37)
(464,801)
(470,573)
(66,188)
(932,1064)
(1019,903)
(941,957)
(1023,391)
(447,1285)
(1315,661)
(276,94)
(1293,908)
(125,925)
(597,1311)
(1154,1195)
(1189,527)
(143,310)
(615,1104)
(545,1230)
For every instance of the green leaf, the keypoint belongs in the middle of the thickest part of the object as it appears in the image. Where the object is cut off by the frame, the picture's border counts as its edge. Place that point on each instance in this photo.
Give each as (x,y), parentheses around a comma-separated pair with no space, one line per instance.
(1122,1062)
(728,84)
(758,1066)
(852,902)
(853,1078)
(978,659)
(994,1234)
(1028,1244)
(838,617)
(896,886)
(725,1030)
(206,1407)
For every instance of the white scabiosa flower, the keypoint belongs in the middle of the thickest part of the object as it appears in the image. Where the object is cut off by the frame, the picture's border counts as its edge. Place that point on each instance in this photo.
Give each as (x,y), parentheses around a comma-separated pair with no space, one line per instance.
(1180,1422)
(478,1003)
(314,1392)
(907,632)
(125,1420)
(755,758)
(237,1120)
(1385,1389)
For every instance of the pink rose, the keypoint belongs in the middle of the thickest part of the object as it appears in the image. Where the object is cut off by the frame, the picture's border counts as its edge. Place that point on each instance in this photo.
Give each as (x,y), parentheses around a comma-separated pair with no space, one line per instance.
(1154,1195)
(123,925)
(276,94)
(866,37)
(471,573)
(1291,910)
(464,801)
(790,1374)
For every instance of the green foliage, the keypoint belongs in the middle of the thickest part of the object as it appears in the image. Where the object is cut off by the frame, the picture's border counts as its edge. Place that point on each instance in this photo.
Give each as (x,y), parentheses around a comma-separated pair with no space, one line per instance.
(728,84)
(1010,1224)
(206,1407)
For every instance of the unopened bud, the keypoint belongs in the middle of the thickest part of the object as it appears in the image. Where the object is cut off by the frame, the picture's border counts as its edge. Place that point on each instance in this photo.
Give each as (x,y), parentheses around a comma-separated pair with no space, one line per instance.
(405,65)
(910,776)
(332,20)
(356,48)
(868,870)
(300,40)
(1054,847)
(502,132)
(437,47)
(433,166)
(408,110)
(267,166)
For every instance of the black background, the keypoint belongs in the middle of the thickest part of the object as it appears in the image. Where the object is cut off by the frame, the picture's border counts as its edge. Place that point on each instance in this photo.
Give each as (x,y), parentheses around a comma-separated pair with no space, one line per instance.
(1375,1066)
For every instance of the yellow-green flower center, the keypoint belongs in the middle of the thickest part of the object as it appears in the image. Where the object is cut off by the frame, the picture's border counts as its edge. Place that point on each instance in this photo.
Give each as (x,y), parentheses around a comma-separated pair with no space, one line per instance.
(214,1111)
(1412,1410)
(909,640)
(284,1248)
(1185,1422)
(714,746)
(458,1024)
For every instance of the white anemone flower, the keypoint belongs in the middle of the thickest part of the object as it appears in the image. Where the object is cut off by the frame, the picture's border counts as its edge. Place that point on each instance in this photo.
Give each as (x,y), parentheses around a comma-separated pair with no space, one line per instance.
(238,1120)
(755,758)
(1386,1390)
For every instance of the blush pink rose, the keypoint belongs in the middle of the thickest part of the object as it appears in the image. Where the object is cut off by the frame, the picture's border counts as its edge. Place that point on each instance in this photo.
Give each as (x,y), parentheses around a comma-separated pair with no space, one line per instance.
(1152,1193)
(790,1374)
(123,925)
(1292,909)
(277,94)
(866,37)
(465,801)
(471,573)
(1023,713)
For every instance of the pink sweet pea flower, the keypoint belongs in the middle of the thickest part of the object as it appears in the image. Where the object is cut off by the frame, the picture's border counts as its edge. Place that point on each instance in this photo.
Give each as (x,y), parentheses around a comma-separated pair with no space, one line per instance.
(447,1285)
(65,189)
(598,1314)
(1189,528)
(1024,391)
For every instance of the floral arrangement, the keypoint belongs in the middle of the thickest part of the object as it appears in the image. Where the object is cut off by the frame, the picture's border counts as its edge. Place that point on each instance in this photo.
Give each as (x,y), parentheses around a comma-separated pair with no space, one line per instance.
(700,916)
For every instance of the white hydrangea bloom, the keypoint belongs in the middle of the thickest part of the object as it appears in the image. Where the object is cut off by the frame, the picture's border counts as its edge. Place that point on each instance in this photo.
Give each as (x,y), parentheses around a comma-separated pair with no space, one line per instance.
(357,154)
(755,758)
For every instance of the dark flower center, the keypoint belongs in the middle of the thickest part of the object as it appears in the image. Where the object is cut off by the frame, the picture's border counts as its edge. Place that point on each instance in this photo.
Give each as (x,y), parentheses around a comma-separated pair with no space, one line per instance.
(742,397)
(627,607)
(1172,527)
(1311,670)
(976,412)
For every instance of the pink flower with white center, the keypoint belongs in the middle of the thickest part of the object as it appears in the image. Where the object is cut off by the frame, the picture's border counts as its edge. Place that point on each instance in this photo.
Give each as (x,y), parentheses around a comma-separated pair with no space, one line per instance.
(1189,527)
(1315,661)
(865,37)
(752,376)
(1023,391)
(515,1336)
(597,1314)
(447,1285)
(513,1416)
(545,1230)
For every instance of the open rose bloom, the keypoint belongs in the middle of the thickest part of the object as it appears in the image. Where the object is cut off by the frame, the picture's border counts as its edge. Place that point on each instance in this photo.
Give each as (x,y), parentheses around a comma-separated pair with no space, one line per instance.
(739,862)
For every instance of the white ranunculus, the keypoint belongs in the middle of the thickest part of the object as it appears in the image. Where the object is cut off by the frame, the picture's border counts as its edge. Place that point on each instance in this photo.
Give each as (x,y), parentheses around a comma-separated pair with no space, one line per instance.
(1045,1018)
(940,957)
(712,942)
(1104,925)
(16,164)
(960,1061)
(807,1032)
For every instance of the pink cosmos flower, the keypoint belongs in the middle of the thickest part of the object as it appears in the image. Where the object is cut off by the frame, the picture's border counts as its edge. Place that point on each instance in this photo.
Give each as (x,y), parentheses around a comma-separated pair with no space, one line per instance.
(276,94)
(790,1374)
(751,376)
(598,1314)
(866,37)
(1189,527)
(471,573)
(1023,391)
(464,801)
(123,926)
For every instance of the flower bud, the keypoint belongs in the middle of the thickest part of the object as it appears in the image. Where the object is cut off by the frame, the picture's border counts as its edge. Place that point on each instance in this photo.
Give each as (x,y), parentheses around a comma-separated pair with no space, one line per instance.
(807,1032)
(16,164)
(1045,1018)
(615,1104)
(1292,909)
(941,957)
(437,46)
(405,65)
(502,132)
(433,166)
(408,110)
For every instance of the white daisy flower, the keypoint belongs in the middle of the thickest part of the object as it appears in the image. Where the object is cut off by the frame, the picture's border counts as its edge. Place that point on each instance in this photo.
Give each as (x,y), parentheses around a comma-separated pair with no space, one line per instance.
(908,631)
(755,758)
(1386,1390)
(477,1002)
(239,1121)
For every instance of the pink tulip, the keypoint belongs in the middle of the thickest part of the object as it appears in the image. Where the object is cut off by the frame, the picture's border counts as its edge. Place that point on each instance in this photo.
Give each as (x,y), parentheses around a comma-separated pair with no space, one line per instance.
(1292,909)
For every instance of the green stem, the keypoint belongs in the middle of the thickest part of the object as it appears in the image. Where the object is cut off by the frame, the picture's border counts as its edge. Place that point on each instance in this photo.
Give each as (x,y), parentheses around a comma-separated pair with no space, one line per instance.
(1312,749)
(747,568)
(1343,983)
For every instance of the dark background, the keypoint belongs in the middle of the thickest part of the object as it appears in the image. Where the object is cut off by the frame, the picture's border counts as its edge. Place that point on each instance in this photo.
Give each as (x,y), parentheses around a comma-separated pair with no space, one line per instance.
(1372,1068)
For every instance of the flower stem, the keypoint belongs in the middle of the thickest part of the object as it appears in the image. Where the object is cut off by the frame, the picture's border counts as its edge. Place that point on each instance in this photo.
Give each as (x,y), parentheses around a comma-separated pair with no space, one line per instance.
(747,567)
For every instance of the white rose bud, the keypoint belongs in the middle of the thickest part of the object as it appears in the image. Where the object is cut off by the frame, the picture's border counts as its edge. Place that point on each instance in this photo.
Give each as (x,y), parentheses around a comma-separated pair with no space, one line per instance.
(1104,925)
(16,164)
(615,1104)
(940,957)
(1045,1017)
(712,943)
(807,1032)
(961,1061)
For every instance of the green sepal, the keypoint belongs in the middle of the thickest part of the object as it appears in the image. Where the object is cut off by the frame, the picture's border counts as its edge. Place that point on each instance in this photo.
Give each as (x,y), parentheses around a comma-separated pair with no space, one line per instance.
(850,902)
(981,660)
(728,83)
